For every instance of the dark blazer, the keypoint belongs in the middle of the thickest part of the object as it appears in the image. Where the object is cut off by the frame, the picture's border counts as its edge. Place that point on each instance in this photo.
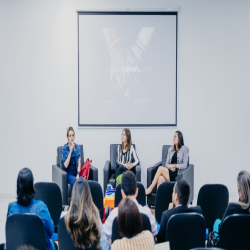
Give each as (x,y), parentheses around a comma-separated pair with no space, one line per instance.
(167,214)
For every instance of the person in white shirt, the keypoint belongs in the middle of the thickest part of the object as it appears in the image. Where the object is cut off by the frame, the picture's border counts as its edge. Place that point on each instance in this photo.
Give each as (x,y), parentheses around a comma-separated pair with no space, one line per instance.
(129,190)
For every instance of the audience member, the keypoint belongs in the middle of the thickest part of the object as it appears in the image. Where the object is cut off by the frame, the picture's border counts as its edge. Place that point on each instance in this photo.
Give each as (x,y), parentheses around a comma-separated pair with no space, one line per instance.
(129,189)
(241,207)
(27,204)
(130,225)
(179,203)
(83,221)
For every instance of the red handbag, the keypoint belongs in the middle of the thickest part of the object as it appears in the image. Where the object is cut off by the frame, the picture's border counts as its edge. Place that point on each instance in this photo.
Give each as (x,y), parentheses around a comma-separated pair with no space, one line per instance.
(84,172)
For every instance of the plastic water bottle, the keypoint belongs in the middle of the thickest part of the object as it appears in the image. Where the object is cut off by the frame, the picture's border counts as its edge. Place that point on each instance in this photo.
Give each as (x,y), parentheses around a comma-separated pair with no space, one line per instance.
(109,187)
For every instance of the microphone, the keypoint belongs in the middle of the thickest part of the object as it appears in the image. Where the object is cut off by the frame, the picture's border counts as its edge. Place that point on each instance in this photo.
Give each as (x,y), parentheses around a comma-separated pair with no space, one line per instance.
(73,145)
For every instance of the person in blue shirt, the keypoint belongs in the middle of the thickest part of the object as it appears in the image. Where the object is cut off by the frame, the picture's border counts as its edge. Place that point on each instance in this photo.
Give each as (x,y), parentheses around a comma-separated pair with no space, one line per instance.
(27,204)
(83,219)
(71,157)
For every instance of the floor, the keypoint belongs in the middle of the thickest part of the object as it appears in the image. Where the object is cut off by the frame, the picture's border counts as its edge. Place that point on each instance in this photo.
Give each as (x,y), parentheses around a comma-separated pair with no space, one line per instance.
(4,206)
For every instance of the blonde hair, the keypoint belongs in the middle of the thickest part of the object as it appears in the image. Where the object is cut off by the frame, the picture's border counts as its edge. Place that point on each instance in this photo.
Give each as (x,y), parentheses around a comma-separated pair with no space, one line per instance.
(243,182)
(82,219)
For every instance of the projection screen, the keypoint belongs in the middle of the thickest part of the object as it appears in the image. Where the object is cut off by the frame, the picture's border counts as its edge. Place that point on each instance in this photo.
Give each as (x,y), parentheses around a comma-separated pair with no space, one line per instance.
(127,69)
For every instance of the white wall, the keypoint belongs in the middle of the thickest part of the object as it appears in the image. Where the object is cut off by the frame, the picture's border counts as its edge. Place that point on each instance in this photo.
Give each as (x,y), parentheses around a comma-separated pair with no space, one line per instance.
(38,97)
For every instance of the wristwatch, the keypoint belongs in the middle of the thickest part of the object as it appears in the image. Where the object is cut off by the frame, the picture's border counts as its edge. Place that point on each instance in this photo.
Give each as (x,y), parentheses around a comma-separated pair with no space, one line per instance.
(78,172)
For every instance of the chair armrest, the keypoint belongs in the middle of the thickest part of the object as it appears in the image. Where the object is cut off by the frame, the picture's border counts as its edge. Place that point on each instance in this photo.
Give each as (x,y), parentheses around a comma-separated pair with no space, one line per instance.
(93,173)
(188,175)
(106,171)
(138,172)
(59,176)
(151,171)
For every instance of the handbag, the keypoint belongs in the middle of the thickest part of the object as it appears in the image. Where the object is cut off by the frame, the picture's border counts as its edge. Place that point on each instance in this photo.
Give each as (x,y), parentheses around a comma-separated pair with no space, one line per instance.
(84,172)
(213,239)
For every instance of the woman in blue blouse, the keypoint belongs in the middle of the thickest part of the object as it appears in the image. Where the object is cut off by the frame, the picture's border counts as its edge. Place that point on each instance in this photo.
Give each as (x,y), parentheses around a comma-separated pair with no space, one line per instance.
(71,157)
(27,204)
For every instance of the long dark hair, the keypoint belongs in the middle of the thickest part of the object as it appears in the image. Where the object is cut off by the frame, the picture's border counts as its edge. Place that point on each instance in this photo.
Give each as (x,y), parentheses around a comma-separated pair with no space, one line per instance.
(25,187)
(82,219)
(129,140)
(129,218)
(180,140)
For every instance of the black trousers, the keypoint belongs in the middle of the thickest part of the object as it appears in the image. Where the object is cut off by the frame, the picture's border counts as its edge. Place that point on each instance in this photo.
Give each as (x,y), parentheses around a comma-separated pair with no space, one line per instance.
(120,169)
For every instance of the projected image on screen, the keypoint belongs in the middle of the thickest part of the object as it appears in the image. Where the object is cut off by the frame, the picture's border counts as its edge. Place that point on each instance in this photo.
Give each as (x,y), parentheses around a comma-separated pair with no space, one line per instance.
(127,69)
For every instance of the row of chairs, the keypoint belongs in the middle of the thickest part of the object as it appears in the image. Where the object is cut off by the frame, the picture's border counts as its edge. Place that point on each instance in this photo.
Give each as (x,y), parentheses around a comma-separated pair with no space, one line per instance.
(59,176)
(184,231)
(212,198)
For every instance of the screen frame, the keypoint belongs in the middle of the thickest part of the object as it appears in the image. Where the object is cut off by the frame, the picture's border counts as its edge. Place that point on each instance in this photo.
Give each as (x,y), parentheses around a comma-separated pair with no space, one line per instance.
(175,13)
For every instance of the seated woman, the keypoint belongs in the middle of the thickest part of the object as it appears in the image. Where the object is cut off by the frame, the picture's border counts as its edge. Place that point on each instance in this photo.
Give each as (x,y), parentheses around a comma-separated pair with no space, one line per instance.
(83,220)
(130,225)
(27,204)
(71,157)
(177,159)
(126,158)
(241,207)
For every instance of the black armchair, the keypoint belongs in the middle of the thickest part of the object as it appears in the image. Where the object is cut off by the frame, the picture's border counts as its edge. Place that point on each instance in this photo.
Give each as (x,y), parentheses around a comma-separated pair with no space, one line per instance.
(59,176)
(213,200)
(187,174)
(185,231)
(110,168)
(25,229)
(234,232)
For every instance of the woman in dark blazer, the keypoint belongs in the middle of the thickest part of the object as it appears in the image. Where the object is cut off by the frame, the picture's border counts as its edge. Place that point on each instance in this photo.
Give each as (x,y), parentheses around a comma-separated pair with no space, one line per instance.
(243,206)
(177,160)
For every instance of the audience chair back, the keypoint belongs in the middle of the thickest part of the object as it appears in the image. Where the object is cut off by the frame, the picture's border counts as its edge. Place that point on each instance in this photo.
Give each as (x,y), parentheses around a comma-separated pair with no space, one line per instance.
(234,233)
(141,197)
(213,200)
(163,198)
(50,194)
(64,239)
(115,227)
(186,231)
(97,196)
(25,229)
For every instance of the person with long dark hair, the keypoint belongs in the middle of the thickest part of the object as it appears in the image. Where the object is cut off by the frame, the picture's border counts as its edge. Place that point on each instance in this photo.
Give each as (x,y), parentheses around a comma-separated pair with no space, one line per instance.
(126,158)
(27,204)
(130,226)
(177,160)
(71,157)
(83,220)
